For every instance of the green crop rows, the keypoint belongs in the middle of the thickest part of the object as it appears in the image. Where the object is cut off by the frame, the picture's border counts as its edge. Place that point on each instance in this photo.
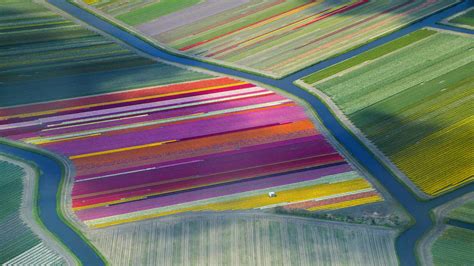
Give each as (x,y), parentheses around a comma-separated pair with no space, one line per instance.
(466,19)
(47,57)
(454,247)
(412,99)
(270,37)
(464,212)
(244,240)
(16,237)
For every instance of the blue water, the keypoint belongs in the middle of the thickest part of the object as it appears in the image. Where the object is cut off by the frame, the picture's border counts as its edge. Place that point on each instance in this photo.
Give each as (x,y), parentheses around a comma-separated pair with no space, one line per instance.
(48,185)
(418,209)
(461,224)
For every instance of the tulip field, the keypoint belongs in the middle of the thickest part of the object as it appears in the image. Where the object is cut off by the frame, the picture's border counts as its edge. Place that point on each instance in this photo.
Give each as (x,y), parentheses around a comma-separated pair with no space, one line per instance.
(273,37)
(412,98)
(18,244)
(214,144)
(245,239)
(454,247)
(43,53)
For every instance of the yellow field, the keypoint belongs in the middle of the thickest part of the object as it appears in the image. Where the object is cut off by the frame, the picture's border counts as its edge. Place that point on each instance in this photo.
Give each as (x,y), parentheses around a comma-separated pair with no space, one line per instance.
(349,203)
(286,196)
(440,148)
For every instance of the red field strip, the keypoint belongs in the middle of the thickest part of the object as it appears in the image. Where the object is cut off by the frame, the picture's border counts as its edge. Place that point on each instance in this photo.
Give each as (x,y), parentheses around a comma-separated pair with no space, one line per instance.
(263,34)
(157,188)
(243,158)
(335,12)
(251,12)
(192,148)
(318,18)
(149,178)
(347,37)
(242,28)
(357,23)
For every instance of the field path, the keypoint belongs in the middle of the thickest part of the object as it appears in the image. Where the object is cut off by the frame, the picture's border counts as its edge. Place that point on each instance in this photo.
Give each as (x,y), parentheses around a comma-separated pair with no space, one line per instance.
(419,209)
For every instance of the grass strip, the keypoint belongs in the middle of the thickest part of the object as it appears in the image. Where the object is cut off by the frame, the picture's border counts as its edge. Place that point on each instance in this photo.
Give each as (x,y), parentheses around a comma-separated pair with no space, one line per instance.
(372,54)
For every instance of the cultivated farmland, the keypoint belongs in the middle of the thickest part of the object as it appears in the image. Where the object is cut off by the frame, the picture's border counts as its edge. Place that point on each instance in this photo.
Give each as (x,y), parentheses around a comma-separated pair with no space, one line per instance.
(412,98)
(273,37)
(244,239)
(454,247)
(445,244)
(201,143)
(464,212)
(215,144)
(19,245)
(464,20)
(43,53)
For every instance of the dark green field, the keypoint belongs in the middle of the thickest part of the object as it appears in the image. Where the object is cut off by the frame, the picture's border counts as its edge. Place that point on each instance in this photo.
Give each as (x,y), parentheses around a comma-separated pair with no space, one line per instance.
(466,19)
(46,57)
(412,98)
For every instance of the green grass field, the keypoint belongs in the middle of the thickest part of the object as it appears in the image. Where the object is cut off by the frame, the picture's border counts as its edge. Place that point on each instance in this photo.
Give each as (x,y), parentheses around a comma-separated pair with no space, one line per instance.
(244,240)
(17,240)
(47,57)
(464,213)
(454,247)
(466,19)
(412,99)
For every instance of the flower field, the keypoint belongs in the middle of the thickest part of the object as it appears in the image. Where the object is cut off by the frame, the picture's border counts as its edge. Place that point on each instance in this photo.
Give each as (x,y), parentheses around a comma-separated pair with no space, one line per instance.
(274,37)
(18,244)
(42,53)
(412,99)
(214,144)
(245,239)
(454,247)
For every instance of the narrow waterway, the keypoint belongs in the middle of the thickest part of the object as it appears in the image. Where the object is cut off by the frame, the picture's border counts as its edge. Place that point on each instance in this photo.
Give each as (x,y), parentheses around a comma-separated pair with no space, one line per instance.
(418,209)
(48,185)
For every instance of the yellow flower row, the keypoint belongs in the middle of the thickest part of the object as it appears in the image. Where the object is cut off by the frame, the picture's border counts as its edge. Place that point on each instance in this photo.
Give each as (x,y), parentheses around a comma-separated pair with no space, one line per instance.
(349,203)
(282,198)
(442,160)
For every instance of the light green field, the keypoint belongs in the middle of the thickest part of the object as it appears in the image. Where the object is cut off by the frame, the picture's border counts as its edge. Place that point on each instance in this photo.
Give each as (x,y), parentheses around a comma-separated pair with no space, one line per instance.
(464,213)
(466,19)
(17,241)
(454,247)
(412,99)
(280,37)
(244,240)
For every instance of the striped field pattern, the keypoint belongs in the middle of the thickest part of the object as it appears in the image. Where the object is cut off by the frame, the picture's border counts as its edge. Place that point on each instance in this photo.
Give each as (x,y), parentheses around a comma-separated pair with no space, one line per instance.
(215,144)
(412,98)
(274,37)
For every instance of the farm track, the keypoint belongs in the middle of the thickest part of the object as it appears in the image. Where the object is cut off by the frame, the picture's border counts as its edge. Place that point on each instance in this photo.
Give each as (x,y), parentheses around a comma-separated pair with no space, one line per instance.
(420,210)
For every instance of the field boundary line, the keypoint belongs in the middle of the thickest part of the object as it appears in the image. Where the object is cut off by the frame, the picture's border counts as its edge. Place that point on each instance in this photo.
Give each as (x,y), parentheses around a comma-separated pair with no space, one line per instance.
(446,20)
(29,209)
(439,217)
(344,120)
(103,16)
(62,200)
